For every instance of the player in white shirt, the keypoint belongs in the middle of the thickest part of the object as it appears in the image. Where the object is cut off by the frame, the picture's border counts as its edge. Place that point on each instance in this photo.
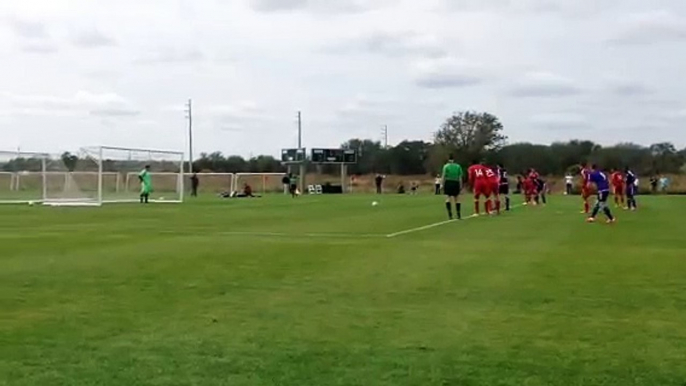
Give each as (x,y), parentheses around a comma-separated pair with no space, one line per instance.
(569,182)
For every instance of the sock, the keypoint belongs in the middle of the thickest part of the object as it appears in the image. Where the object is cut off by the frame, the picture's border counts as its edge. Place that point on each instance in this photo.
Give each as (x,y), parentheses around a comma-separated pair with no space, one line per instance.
(587,207)
(458,210)
(147,196)
(596,209)
(507,204)
(497,206)
(476,206)
(616,201)
(450,209)
(488,206)
(608,214)
(536,199)
(141,198)
(545,200)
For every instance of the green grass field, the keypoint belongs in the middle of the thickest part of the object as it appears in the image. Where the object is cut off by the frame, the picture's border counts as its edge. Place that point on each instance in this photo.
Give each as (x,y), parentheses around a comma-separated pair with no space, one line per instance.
(310,291)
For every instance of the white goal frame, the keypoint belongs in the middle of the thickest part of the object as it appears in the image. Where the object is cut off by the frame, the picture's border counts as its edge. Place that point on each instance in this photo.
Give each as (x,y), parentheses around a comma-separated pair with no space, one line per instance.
(96,154)
(237,177)
(14,176)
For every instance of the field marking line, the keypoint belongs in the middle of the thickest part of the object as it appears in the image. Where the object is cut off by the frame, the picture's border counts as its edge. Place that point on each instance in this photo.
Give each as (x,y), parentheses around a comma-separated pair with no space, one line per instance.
(438,224)
(308,235)
(286,234)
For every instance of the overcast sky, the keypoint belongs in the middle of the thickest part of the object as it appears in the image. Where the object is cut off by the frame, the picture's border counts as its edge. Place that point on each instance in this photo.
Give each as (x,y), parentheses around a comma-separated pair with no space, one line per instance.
(87,72)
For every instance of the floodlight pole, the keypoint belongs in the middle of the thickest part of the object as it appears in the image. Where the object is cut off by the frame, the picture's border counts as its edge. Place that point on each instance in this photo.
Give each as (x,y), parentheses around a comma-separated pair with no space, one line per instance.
(189,116)
(384,132)
(303,167)
(300,130)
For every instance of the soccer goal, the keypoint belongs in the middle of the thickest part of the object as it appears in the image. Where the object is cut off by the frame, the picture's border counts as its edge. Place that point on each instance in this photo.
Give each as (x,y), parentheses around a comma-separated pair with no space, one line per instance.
(103,175)
(261,183)
(23,177)
(214,183)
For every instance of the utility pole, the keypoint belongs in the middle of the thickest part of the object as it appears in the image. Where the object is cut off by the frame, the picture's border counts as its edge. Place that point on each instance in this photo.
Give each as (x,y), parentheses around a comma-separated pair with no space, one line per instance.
(300,131)
(189,116)
(384,133)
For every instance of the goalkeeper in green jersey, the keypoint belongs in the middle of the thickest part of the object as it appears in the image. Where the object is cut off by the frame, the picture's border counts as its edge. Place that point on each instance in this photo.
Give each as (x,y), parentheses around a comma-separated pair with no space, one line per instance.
(146,184)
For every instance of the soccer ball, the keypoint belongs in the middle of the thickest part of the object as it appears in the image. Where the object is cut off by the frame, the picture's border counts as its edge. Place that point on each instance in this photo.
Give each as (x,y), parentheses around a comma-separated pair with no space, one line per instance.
(375,203)
(30,203)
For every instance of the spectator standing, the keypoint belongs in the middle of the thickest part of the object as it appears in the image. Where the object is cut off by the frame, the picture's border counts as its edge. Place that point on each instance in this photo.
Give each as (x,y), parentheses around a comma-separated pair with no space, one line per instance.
(195,182)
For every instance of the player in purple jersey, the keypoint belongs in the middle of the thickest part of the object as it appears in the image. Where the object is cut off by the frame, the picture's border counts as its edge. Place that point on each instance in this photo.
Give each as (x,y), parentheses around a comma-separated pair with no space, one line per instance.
(602,183)
(630,179)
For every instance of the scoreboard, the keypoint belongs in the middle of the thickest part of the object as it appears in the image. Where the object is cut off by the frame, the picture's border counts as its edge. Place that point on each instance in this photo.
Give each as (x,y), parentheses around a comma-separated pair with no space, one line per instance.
(334,156)
(293,155)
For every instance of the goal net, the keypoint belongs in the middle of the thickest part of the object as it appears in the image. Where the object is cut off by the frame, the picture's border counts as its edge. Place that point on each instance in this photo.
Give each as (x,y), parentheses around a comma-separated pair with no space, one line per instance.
(102,175)
(214,183)
(22,177)
(261,183)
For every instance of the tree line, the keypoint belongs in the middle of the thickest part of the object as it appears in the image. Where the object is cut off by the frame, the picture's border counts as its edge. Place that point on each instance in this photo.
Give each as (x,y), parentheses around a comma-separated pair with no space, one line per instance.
(470,136)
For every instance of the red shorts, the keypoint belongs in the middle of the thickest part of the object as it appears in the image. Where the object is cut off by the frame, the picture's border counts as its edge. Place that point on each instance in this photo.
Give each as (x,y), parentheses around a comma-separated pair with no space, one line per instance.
(482,188)
(619,190)
(495,188)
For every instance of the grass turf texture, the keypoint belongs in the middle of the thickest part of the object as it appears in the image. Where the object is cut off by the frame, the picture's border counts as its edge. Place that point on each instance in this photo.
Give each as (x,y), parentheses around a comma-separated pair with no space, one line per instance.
(167,295)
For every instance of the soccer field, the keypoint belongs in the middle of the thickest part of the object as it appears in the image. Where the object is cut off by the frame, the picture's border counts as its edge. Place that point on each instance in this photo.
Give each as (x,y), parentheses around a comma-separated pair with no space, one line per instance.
(332,291)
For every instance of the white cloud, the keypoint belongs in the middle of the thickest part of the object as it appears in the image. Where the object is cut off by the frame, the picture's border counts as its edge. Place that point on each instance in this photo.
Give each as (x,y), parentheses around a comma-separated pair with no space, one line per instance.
(394,44)
(628,88)
(544,84)
(566,7)
(81,103)
(92,38)
(319,6)
(171,55)
(28,29)
(652,27)
(250,65)
(561,121)
(39,48)
(448,73)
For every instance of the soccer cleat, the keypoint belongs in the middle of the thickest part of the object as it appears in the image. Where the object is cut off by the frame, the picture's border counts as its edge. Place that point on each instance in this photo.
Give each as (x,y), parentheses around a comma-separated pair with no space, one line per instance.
(614,220)
(590,220)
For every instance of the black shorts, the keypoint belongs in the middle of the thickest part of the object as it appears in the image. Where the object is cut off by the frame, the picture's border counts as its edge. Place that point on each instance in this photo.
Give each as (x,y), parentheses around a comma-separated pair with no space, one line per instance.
(293,188)
(504,189)
(603,196)
(452,188)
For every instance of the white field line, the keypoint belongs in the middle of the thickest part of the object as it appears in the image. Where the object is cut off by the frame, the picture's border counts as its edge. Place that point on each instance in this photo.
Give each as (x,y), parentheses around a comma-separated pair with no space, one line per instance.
(281,234)
(435,225)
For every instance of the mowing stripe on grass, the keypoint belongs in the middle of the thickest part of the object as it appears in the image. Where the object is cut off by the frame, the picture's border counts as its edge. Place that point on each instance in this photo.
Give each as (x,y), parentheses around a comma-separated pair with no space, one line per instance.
(435,225)
(283,234)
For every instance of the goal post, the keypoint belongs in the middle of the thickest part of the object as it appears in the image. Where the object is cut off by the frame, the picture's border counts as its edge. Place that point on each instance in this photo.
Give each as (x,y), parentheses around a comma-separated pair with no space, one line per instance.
(97,175)
(32,167)
(262,183)
(165,168)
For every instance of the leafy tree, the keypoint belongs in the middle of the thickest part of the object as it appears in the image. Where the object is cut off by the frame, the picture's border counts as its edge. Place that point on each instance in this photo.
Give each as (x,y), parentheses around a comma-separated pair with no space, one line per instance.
(409,158)
(665,158)
(470,135)
(69,160)
(519,157)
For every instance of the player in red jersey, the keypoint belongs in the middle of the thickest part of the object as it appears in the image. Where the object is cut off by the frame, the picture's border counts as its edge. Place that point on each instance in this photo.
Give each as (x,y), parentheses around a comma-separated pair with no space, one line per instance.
(586,187)
(618,188)
(533,177)
(528,188)
(480,178)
